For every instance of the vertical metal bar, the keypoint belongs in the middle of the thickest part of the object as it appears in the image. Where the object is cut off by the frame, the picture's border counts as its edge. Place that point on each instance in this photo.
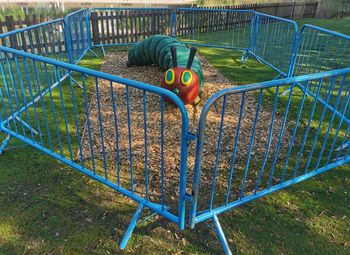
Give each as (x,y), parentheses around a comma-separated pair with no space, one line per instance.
(330,92)
(162,149)
(116,132)
(345,108)
(76,119)
(130,139)
(54,113)
(87,114)
(221,235)
(331,122)
(306,133)
(145,142)
(251,144)
(64,113)
(131,227)
(42,103)
(23,95)
(268,141)
(101,128)
(8,94)
(32,98)
(217,153)
(235,148)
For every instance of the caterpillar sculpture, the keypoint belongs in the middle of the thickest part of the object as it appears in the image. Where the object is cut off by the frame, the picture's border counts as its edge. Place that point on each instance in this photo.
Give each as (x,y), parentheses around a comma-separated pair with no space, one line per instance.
(183,72)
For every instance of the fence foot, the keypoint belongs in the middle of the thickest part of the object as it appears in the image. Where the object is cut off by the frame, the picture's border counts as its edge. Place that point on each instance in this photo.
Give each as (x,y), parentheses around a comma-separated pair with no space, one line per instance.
(4,143)
(93,53)
(221,236)
(245,56)
(131,227)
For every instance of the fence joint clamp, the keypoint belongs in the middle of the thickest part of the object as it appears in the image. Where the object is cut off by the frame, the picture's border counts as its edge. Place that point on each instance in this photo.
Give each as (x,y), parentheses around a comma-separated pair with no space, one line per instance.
(191,136)
(188,197)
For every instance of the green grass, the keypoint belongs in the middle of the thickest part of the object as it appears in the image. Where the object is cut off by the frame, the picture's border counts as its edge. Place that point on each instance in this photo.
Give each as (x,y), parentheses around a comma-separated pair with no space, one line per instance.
(47,208)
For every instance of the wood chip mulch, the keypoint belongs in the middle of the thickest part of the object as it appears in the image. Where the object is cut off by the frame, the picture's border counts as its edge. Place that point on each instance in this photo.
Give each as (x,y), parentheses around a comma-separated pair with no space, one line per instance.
(148,161)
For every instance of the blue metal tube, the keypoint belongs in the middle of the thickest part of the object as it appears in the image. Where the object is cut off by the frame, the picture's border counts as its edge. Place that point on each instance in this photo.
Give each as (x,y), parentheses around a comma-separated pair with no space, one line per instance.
(116,132)
(217,153)
(152,89)
(205,215)
(153,206)
(4,143)
(221,235)
(251,144)
(131,227)
(331,108)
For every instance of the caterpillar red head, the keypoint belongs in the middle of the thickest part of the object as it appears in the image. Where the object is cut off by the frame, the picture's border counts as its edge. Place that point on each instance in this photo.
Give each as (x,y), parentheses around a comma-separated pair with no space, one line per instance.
(182,81)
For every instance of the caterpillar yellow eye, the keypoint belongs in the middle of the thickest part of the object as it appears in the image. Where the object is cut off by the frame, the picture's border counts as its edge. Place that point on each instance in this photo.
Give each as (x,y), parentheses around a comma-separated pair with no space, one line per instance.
(186,78)
(170,77)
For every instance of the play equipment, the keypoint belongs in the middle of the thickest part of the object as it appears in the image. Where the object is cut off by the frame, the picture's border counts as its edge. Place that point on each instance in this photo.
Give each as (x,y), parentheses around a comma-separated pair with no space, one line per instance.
(44,94)
(183,72)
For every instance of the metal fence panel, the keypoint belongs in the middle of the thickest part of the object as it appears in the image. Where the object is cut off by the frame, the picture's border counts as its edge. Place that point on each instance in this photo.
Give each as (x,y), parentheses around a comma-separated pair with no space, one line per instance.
(46,39)
(78,34)
(215,27)
(273,41)
(133,161)
(265,143)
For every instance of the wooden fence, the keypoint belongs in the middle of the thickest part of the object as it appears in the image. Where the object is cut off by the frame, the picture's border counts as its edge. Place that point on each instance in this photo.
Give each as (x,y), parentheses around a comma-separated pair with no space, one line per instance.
(124,26)
(341,14)
(284,10)
(128,26)
(10,23)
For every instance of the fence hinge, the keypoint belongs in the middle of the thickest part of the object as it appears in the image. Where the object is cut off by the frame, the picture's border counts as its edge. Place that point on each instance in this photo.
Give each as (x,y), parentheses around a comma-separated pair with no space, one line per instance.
(188,197)
(191,137)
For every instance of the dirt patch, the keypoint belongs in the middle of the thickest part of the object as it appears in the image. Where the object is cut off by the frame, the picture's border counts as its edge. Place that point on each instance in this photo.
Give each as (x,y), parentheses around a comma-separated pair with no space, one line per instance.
(120,133)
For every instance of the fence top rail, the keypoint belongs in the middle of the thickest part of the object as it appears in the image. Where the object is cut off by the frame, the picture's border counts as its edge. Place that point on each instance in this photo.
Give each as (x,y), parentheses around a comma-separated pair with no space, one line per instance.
(132,83)
(32,27)
(129,9)
(76,12)
(262,85)
(321,29)
(278,18)
(213,10)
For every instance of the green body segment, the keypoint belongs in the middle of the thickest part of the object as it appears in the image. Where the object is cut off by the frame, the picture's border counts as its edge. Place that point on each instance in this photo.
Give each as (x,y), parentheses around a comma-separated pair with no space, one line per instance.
(156,50)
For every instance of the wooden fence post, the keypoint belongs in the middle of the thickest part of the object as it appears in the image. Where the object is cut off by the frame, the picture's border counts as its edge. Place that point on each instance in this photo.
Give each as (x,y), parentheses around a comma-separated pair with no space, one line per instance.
(10,24)
(293,10)
(94,25)
(315,9)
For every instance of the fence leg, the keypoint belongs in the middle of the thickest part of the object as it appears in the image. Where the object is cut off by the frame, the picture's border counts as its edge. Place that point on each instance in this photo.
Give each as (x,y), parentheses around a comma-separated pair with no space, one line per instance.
(4,143)
(76,83)
(221,235)
(26,125)
(288,91)
(93,53)
(343,146)
(245,56)
(103,51)
(131,227)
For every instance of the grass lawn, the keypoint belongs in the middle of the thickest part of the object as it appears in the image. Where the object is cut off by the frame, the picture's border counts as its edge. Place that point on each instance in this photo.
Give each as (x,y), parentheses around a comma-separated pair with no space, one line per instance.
(47,208)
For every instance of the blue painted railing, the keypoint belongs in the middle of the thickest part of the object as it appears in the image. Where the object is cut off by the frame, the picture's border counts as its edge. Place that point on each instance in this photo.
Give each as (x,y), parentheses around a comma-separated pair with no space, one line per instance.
(39,59)
(78,34)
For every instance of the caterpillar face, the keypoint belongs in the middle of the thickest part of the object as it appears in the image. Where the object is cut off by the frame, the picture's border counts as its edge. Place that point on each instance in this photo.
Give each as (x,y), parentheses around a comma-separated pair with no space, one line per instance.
(183,82)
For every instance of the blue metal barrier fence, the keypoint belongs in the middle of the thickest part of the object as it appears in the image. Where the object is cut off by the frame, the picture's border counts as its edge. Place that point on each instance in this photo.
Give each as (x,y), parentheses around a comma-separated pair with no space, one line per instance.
(64,105)
(39,70)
